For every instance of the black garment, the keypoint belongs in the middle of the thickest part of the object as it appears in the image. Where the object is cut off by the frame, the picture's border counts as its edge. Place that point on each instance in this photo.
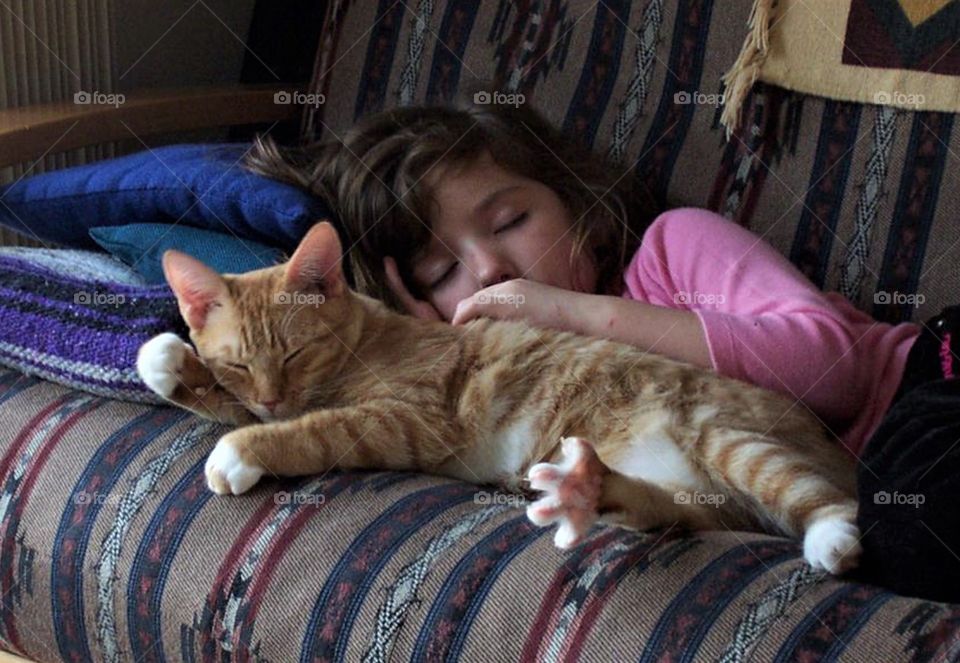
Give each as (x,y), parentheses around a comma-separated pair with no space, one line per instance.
(934,355)
(908,482)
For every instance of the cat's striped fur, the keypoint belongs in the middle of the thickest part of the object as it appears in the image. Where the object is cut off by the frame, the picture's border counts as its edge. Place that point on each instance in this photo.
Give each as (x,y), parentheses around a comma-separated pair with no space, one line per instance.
(349,383)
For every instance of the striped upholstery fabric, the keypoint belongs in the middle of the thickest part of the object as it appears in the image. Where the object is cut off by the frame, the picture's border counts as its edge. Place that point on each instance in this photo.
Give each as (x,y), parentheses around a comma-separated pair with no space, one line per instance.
(114,550)
(860,197)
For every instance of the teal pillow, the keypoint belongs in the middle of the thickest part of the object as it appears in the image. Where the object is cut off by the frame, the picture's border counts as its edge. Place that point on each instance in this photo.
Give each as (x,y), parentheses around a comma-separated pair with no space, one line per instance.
(141,245)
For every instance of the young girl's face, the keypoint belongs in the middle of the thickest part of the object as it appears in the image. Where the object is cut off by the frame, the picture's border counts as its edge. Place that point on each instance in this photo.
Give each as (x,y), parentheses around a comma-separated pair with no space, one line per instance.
(491,225)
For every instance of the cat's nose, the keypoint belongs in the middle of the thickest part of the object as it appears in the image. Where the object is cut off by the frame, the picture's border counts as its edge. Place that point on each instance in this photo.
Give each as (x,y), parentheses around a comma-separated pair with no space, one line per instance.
(270,405)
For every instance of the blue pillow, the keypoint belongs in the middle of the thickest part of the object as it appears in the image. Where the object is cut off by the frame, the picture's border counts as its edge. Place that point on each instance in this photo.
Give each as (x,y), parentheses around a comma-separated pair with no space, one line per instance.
(203,186)
(141,245)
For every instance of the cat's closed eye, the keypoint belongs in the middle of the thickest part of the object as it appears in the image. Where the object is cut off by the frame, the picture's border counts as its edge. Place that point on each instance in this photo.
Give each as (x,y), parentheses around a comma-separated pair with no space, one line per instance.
(237,366)
(293,354)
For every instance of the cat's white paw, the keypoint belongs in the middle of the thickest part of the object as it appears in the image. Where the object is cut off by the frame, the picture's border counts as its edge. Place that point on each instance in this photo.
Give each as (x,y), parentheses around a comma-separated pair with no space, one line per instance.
(159,362)
(572,491)
(832,544)
(226,472)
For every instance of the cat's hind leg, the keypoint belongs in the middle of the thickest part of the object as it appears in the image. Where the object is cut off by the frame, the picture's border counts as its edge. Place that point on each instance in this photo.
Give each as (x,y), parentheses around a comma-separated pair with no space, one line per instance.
(803,490)
(832,542)
(572,490)
(580,489)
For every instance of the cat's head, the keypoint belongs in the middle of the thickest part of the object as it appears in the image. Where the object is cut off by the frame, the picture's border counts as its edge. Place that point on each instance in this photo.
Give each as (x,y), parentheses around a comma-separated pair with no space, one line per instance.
(275,336)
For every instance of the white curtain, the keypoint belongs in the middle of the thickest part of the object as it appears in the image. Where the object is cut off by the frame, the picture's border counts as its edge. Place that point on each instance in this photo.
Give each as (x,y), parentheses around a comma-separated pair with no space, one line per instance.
(49,51)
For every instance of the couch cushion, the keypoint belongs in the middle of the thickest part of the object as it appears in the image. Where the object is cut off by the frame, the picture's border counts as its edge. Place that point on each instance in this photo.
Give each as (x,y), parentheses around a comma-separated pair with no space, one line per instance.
(858,196)
(113,549)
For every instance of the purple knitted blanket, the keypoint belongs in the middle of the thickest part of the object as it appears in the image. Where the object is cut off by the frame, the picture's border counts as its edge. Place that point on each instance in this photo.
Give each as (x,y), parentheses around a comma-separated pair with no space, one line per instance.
(76,330)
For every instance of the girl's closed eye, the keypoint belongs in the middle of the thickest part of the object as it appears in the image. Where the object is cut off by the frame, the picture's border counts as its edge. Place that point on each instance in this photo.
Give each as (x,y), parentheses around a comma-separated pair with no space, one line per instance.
(445,276)
(449,272)
(516,221)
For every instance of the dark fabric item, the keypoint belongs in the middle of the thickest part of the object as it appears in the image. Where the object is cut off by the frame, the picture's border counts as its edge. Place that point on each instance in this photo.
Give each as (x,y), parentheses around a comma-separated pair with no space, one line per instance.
(934,353)
(908,481)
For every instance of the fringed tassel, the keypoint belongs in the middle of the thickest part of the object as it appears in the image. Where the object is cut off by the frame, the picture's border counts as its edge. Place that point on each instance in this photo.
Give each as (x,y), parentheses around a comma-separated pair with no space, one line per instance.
(744,73)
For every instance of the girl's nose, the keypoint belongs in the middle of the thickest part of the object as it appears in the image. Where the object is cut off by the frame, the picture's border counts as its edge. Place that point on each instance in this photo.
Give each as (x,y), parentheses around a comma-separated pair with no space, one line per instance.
(500,279)
(492,268)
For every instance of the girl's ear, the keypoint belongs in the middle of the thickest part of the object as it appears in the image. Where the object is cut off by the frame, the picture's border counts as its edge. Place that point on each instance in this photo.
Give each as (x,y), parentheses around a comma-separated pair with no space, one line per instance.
(198,288)
(317,262)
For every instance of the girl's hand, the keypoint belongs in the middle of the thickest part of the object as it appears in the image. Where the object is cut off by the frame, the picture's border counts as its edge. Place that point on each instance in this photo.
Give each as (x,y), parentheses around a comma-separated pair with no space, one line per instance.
(415,307)
(520,299)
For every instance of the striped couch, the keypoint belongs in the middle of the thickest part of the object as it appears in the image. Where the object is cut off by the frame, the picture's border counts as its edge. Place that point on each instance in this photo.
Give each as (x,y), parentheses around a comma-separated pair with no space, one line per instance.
(113,550)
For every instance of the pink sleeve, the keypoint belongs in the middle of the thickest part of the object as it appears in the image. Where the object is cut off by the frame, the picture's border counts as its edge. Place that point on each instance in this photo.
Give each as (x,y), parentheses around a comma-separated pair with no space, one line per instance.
(764,321)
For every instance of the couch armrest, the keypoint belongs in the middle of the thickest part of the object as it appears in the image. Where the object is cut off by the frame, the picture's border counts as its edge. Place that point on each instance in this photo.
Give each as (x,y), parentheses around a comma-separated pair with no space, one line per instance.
(31,132)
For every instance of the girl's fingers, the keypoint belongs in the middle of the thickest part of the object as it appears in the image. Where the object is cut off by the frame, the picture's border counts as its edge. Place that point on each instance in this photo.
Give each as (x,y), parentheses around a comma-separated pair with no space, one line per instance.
(413,306)
(463,314)
(468,309)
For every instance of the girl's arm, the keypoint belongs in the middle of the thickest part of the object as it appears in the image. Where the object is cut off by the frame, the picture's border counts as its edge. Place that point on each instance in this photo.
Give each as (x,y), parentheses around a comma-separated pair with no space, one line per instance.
(671,332)
(763,321)
(667,331)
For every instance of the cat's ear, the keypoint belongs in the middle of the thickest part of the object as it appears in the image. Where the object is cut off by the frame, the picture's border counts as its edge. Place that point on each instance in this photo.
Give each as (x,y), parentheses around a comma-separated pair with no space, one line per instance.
(317,262)
(198,288)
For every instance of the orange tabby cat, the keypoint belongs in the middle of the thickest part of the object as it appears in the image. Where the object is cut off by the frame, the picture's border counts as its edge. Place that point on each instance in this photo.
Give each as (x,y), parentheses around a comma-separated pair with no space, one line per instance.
(604,429)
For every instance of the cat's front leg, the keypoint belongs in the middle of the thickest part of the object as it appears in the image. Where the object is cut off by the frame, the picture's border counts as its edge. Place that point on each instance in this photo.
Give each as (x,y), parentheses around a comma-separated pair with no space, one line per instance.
(380,434)
(172,370)
(242,456)
(232,468)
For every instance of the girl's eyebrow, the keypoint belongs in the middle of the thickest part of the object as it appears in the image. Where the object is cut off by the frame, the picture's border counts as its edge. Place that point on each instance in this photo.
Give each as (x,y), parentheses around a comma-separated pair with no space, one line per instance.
(490,199)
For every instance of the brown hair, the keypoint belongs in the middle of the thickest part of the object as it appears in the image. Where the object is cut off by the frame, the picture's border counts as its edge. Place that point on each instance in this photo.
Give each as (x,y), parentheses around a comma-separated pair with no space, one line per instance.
(372,177)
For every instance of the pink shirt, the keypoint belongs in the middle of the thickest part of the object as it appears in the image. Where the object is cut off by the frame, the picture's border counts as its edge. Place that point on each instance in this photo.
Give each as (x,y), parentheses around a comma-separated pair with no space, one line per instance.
(767,324)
